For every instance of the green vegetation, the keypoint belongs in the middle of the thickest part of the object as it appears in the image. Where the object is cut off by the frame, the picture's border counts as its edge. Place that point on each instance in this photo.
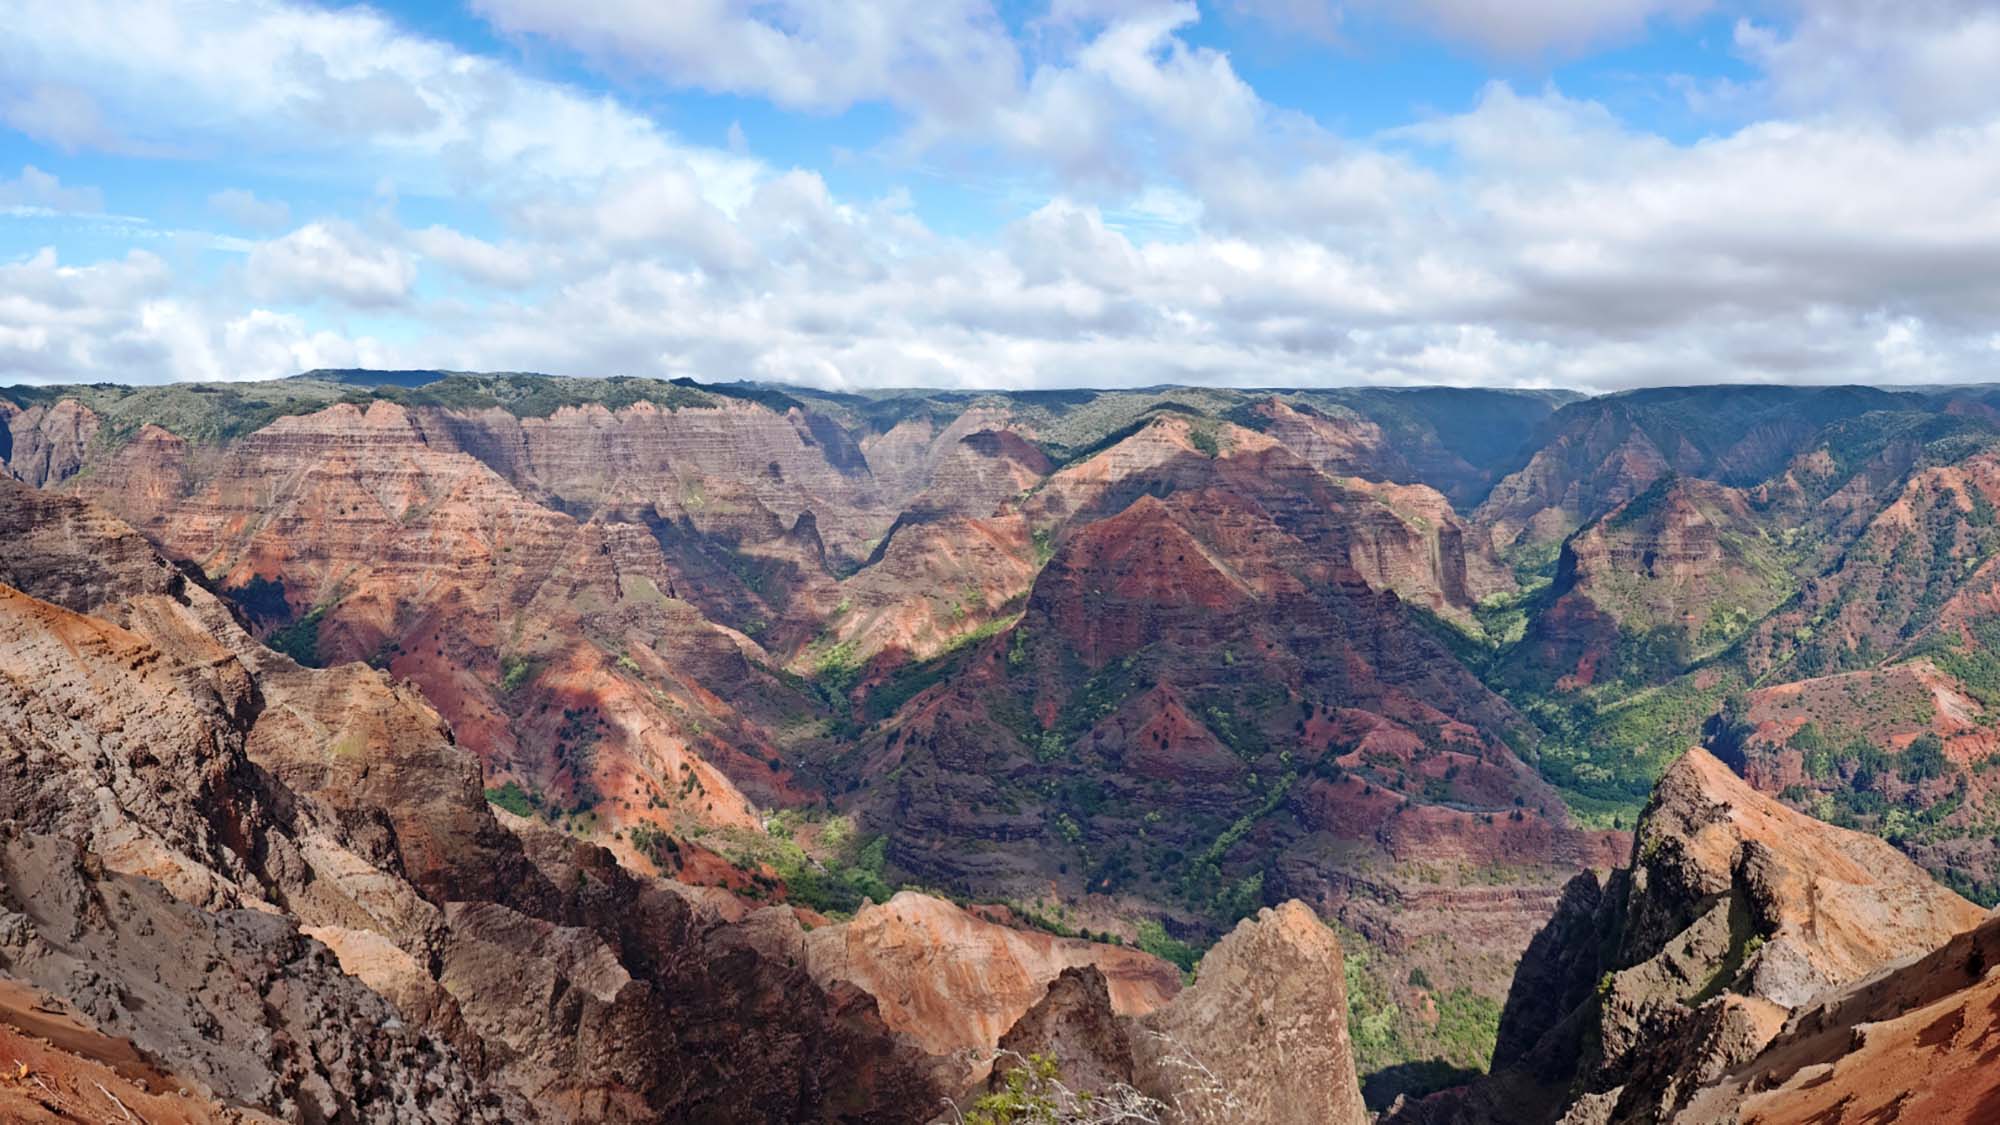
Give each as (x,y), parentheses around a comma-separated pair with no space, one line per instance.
(1027,1096)
(204,413)
(515,799)
(846,872)
(300,639)
(912,679)
(1154,939)
(1975,666)
(656,845)
(214,413)
(1045,548)
(1604,756)
(1922,760)
(1032,1092)
(1204,440)
(1396,1051)
(538,396)
(514,672)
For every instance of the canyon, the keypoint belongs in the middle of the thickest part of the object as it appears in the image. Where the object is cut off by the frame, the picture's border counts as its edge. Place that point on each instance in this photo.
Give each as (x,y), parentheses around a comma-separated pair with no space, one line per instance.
(532,748)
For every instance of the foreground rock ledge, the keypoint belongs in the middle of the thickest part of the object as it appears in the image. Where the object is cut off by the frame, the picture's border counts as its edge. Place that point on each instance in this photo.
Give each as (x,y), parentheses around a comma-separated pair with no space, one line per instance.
(1260,1039)
(1663,991)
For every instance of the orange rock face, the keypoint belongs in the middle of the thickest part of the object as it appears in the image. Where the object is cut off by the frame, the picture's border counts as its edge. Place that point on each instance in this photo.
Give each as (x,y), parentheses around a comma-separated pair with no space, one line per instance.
(954,983)
(46,444)
(1913,1045)
(1742,930)
(1261,1038)
(188,812)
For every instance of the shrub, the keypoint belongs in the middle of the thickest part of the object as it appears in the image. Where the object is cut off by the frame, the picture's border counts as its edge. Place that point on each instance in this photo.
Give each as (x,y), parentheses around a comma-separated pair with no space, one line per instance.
(513,798)
(514,671)
(1154,939)
(1923,760)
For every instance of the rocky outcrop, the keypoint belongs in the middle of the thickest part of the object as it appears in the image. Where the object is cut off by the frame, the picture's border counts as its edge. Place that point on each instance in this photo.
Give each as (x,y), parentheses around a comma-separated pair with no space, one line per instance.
(1336,443)
(1198,696)
(1260,1039)
(250,802)
(931,583)
(1594,462)
(725,466)
(1404,538)
(46,444)
(954,983)
(1736,913)
(1075,1023)
(363,534)
(237,1002)
(63,1070)
(1591,456)
(1912,1043)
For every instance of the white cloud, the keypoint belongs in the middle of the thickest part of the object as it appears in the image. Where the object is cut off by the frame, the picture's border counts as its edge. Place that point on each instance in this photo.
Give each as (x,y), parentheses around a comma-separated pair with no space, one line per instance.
(340,93)
(62,115)
(37,191)
(1163,221)
(508,267)
(121,320)
(246,209)
(333,261)
(1133,95)
(1921,62)
(948,58)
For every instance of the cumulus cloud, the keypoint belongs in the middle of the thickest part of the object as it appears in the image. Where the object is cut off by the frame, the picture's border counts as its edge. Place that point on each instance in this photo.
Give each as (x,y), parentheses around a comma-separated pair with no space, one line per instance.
(475,259)
(343,88)
(37,192)
(1919,62)
(1131,96)
(1164,222)
(122,320)
(331,261)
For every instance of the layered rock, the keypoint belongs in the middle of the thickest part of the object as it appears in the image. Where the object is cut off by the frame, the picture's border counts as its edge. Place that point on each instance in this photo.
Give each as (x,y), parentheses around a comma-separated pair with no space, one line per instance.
(1260,1039)
(954,983)
(46,443)
(241,1005)
(1403,538)
(1648,987)
(1670,577)
(1201,709)
(1912,1043)
(243,802)
(1338,444)
(1592,464)
(1593,456)
(537,636)
(724,466)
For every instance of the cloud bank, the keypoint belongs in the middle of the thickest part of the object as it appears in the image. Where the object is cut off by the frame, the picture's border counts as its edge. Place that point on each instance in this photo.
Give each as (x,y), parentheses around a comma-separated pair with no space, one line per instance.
(1165,222)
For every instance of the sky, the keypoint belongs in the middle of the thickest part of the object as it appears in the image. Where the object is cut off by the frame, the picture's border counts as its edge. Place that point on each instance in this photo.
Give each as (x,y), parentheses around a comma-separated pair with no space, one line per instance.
(1587,194)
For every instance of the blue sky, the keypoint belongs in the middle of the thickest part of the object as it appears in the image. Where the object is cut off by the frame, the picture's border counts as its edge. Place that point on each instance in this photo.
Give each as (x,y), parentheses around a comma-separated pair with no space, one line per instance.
(1582,193)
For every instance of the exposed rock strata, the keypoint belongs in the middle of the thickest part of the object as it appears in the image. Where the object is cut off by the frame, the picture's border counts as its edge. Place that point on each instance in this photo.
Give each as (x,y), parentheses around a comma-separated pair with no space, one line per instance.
(1672,975)
(1260,1039)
